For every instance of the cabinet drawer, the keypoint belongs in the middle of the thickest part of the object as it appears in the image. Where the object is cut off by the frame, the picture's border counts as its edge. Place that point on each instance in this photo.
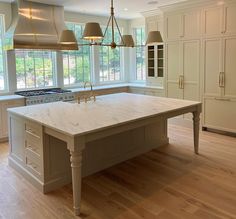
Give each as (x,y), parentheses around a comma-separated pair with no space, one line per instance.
(33,166)
(220,114)
(34,130)
(33,144)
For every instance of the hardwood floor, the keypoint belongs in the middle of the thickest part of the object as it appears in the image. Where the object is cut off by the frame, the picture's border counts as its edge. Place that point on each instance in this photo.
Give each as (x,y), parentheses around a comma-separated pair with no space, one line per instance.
(168,183)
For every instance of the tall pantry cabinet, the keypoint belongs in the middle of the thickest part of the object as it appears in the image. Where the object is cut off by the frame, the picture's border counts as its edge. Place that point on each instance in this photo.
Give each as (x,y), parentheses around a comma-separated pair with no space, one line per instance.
(219,67)
(220,83)
(182,31)
(200,44)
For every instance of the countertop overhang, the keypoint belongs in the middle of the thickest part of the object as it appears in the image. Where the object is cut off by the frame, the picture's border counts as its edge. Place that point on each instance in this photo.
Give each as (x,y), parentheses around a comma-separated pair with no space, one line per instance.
(107,111)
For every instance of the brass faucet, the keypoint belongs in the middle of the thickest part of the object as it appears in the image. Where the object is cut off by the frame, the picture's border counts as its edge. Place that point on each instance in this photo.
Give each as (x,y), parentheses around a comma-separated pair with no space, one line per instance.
(89,95)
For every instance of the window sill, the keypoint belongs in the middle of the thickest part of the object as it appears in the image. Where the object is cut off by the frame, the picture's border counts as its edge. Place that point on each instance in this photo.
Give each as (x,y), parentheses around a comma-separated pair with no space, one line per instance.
(120,85)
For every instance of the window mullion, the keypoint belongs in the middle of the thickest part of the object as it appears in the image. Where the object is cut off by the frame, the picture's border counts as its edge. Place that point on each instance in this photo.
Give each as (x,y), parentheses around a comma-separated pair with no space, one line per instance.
(25,70)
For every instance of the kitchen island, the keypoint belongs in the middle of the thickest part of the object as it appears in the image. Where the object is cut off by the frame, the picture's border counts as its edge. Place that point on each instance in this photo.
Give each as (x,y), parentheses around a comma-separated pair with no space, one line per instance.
(47,141)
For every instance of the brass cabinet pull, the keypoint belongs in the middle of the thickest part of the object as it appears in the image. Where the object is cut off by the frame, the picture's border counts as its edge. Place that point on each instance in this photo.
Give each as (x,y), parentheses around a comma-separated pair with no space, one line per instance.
(181,82)
(222,79)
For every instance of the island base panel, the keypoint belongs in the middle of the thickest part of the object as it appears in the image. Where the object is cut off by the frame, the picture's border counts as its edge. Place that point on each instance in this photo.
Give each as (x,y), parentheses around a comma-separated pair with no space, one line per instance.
(97,155)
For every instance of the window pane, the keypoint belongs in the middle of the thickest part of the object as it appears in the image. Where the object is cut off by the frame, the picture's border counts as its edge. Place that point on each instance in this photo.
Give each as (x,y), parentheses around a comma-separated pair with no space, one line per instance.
(76,64)
(109,59)
(34,69)
(139,34)
(2,56)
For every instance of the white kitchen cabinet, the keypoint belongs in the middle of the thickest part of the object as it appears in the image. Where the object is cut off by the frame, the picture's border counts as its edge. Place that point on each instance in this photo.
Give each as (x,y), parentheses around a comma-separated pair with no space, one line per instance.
(212,66)
(220,84)
(173,26)
(185,25)
(147,91)
(229,67)
(219,20)
(191,24)
(173,70)
(219,67)
(4,105)
(183,69)
(220,113)
(213,21)
(155,64)
(216,32)
(230,18)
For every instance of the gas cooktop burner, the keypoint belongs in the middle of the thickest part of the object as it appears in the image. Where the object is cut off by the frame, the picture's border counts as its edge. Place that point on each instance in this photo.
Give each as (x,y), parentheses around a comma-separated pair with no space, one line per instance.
(41,92)
(46,95)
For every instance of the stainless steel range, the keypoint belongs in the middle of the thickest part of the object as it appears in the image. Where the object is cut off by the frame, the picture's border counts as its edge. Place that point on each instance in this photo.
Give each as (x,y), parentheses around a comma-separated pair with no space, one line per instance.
(46,95)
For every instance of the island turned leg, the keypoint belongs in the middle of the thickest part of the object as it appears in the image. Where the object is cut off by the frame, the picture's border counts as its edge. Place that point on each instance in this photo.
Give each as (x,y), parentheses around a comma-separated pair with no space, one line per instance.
(76,163)
(196,124)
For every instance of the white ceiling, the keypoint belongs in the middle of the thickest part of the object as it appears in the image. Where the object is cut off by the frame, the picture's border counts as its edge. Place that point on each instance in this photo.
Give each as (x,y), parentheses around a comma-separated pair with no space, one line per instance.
(102,7)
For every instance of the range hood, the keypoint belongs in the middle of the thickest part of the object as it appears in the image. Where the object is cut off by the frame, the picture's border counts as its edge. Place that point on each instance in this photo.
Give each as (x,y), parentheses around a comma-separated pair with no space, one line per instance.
(36,26)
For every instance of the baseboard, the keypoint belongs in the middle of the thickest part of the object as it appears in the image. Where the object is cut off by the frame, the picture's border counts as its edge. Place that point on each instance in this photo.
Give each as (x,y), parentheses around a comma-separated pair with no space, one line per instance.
(219,131)
(41,186)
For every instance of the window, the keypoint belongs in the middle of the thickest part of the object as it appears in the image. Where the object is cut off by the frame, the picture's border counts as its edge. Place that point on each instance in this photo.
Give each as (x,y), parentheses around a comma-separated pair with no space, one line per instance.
(2,55)
(139,34)
(109,59)
(76,64)
(34,69)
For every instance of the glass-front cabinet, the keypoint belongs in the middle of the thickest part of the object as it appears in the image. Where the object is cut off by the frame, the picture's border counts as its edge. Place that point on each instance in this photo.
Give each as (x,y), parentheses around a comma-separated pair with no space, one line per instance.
(155,64)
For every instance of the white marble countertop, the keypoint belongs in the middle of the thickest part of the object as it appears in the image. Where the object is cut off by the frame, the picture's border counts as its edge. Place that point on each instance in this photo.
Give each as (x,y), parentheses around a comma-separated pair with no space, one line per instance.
(11,97)
(5,97)
(108,111)
(110,86)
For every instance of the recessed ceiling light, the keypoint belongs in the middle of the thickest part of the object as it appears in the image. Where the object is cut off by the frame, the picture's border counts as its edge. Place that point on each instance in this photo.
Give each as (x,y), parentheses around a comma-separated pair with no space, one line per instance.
(125,9)
(152,2)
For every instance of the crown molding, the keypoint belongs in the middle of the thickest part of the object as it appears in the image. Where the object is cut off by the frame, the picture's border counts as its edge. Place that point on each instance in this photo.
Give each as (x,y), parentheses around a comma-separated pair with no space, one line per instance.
(192,4)
(183,5)
(150,13)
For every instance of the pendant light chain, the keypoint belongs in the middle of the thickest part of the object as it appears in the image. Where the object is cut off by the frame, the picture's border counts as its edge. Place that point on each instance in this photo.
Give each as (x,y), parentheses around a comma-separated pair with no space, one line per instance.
(93,32)
(114,23)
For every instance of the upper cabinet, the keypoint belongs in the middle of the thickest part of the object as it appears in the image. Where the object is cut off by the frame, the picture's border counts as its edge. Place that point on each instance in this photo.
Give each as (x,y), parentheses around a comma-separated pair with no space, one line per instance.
(173,25)
(230,19)
(185,25)
(219,20)
(155,64)
(212,21)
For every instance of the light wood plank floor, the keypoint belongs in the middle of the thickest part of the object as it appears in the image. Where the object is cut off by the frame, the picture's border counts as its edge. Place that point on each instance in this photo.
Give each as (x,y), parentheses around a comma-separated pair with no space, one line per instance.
(168,183)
